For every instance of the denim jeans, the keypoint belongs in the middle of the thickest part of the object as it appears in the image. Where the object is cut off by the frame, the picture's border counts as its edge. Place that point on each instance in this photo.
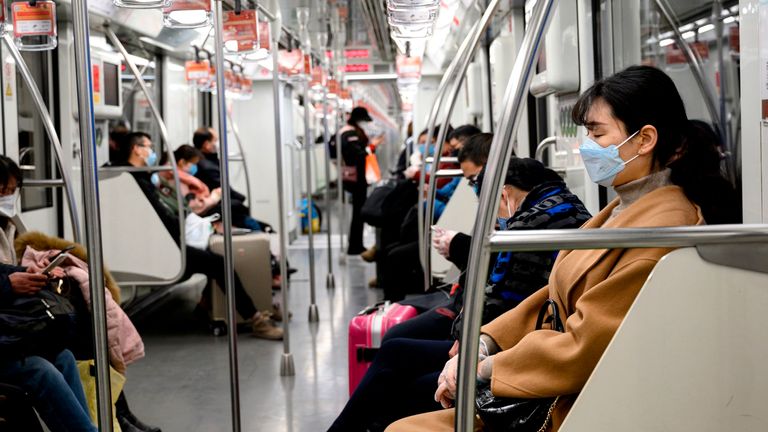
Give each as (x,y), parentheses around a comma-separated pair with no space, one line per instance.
(55,389)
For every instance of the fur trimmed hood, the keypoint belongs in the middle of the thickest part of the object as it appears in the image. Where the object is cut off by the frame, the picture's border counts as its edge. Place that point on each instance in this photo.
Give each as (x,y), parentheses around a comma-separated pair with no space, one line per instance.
(40,242)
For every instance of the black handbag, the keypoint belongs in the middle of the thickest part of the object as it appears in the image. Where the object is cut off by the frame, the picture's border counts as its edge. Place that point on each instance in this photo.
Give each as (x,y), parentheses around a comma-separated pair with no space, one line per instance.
(41,324)
(500,414)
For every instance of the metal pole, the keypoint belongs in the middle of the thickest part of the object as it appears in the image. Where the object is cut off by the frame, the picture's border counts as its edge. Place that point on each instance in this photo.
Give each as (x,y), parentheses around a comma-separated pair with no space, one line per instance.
(226,216)
(448,77)
(314,314)
(45,116)
(498,161)
(287,367)
(339,182)
(330,281)
(471,43)
(164,136)
(92,214)
(236,133)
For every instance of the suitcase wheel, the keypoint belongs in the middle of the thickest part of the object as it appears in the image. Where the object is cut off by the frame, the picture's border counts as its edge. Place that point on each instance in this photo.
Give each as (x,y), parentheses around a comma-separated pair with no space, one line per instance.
(219,328)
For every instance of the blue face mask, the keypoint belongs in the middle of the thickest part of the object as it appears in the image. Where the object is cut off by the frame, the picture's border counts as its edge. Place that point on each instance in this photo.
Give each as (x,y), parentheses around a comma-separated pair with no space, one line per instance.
(152,158)
(476,188)
(192,169)
(603,164)
(155,179)
(502,221)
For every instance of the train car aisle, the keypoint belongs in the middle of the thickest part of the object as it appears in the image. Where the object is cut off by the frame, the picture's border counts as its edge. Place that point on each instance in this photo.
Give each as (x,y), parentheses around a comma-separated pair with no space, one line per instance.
(182,384)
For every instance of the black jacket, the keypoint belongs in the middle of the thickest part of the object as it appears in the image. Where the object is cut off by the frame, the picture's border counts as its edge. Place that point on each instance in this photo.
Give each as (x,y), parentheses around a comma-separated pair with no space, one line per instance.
(515,276)
(209,173)
(354,145)
(6,292)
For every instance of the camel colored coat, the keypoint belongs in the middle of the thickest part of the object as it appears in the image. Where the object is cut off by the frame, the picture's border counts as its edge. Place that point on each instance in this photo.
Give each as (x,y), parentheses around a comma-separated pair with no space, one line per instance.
(594,290)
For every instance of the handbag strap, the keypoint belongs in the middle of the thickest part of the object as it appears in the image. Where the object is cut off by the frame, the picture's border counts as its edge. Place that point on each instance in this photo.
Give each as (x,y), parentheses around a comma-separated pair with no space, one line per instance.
(547,420)
(553,318)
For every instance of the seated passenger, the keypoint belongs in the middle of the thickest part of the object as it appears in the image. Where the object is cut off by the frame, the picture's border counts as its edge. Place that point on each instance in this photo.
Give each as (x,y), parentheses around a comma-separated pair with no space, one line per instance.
(639,142)
(137,151)
(403,377)
(54,384)
(455,143)
(198,197)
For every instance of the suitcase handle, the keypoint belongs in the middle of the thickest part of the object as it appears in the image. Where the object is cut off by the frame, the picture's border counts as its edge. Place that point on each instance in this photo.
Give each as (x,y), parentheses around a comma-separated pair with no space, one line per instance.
(373,308)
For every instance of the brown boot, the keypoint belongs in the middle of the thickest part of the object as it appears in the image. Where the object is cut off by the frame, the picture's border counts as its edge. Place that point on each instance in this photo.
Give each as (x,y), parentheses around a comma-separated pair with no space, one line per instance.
(264,329)
(369,255)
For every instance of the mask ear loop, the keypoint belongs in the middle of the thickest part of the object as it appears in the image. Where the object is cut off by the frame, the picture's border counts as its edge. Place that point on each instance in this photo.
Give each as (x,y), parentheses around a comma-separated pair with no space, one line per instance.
(625,141)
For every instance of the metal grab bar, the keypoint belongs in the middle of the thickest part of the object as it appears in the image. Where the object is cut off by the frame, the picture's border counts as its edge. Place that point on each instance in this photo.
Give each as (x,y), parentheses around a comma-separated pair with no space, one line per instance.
(92,212)
(544,145)
(461,71)
(498,161)
(240,157)
(620,238)
(340,181)
(226,216)
(45,183)
(330,279)
(449,173)
(131,169)
(164,136)
(431,119)
(50,129)
(448,159)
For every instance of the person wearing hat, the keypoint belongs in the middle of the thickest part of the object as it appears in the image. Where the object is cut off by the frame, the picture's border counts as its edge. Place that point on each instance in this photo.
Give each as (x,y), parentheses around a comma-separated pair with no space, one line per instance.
(355,146)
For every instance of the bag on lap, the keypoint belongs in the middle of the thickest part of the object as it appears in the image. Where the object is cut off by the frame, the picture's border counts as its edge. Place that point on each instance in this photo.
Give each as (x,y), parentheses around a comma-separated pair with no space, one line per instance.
(41,324)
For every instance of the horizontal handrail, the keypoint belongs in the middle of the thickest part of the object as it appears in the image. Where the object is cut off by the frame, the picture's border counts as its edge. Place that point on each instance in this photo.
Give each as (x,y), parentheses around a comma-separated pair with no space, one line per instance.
(130,169)
(447,159)
(449,173)
(44,183)
(612,238)
(543,145)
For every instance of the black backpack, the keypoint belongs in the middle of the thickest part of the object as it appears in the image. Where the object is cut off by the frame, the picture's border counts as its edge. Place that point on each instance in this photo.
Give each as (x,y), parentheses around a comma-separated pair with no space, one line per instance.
(42,324)
(389,202)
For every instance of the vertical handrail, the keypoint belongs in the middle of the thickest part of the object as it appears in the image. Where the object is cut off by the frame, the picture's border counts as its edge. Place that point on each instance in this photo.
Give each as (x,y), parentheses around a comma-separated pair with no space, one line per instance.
(84,82)
(238,140)
(164,136)
(226,216)
(431,120)
(330,280)
(50,129)
(498,162)
(339,179)
(308,149)
(287,367)
(473,40)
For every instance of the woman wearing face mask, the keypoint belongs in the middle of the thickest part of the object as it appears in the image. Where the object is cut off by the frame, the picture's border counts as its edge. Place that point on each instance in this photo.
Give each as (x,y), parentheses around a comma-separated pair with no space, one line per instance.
(10,179)
(197,195)
(639,141)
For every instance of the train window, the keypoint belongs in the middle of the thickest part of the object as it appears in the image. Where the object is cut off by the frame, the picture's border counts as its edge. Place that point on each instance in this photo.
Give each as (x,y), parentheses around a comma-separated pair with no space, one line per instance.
(35,156)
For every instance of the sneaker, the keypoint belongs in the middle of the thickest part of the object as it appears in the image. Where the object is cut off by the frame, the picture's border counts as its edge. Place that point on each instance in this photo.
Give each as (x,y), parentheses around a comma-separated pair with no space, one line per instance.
(264,329)
(277,313)
(369,255)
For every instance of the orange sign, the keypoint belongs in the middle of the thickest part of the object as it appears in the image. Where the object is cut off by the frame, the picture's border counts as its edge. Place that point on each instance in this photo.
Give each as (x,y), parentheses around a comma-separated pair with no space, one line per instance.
(38,20)
(333,87)
(96,83)
(307,64)
(241,31)
(408,67)
(265,35)
(179,5)
(197,71)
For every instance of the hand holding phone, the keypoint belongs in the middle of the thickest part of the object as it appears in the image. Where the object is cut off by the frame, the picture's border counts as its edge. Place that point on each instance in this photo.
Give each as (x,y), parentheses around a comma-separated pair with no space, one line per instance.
(57,260)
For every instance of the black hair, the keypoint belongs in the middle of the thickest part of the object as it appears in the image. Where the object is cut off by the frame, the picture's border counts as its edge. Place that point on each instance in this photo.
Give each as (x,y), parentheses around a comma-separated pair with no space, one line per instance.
(476,149)
(9,170)
(436,132)
(187,152)
(461,133)
(643,95)
(128,142)
(200,137)
(118,133)
(526,173)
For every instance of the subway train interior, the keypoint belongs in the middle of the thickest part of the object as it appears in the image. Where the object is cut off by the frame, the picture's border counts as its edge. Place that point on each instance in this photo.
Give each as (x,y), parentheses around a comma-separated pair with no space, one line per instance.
(401,215)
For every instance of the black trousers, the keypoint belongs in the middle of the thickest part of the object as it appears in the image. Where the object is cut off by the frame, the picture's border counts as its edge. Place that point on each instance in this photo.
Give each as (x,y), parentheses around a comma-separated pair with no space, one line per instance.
(359,195)
(434,324)
(212,265)
(403,271)
(401,382)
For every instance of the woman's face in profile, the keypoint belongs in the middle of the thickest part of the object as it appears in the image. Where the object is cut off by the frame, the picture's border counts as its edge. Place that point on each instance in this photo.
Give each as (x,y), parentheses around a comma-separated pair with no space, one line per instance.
(8,188)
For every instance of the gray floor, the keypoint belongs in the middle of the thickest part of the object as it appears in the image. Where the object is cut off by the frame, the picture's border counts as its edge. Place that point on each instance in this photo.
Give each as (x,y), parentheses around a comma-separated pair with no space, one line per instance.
(183,382)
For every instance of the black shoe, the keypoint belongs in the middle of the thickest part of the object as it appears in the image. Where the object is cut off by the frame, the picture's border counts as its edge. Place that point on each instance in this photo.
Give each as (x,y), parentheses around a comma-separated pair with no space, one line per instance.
(355,251)
(292,271)
(127,426)
(137,424)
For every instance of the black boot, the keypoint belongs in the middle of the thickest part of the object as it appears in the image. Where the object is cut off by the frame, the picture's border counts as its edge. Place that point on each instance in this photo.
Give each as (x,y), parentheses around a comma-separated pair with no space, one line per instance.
(125,416)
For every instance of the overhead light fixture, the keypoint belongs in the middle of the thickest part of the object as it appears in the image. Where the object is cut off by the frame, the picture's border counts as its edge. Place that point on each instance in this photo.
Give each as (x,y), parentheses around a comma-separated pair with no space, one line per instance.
(373,77)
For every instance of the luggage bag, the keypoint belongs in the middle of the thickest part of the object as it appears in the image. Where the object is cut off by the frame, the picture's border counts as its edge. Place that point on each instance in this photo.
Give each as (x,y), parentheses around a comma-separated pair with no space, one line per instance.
(366,331)
(252,265)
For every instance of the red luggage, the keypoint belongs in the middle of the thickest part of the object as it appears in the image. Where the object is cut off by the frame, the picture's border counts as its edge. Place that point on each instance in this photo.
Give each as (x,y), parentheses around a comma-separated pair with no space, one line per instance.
(366,331)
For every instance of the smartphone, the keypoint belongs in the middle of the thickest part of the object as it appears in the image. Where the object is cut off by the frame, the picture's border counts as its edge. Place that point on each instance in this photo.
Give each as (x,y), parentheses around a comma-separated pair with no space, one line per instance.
(57,260)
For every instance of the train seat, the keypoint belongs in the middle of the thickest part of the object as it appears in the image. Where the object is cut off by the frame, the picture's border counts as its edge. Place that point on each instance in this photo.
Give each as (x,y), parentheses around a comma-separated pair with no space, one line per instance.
(459,215)
(689,355)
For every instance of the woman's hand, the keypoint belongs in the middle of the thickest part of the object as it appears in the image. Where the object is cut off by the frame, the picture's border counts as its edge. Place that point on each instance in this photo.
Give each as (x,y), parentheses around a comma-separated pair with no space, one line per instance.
(485,369)
(27,283)
(446,383)
(441,240)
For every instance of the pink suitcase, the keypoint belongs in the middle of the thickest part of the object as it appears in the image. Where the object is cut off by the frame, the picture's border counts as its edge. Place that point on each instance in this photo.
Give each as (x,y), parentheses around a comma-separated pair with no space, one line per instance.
(365,333)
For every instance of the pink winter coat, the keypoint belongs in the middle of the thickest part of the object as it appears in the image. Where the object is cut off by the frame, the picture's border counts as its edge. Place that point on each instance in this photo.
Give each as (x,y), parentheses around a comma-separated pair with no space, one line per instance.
(125,344)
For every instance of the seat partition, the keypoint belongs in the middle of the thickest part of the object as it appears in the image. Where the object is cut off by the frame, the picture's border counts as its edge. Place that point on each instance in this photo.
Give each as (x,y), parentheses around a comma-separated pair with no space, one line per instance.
(689,356)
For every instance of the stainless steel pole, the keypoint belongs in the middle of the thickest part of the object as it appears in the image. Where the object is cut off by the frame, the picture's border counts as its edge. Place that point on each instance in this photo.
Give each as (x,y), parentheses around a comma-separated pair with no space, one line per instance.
(472,41)
(168,151)
(45,116)
(241,149)
(92,214)
(498,161)
(330,280)
(287,367)
(339,182)
(314,314)
(226,216)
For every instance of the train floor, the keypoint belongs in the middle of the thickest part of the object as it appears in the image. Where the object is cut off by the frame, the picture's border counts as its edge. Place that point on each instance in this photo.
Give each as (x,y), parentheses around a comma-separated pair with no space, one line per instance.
(183,382)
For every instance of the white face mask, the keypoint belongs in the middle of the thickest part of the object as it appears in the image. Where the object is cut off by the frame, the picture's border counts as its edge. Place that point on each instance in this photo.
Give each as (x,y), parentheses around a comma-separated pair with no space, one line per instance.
(8,204)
